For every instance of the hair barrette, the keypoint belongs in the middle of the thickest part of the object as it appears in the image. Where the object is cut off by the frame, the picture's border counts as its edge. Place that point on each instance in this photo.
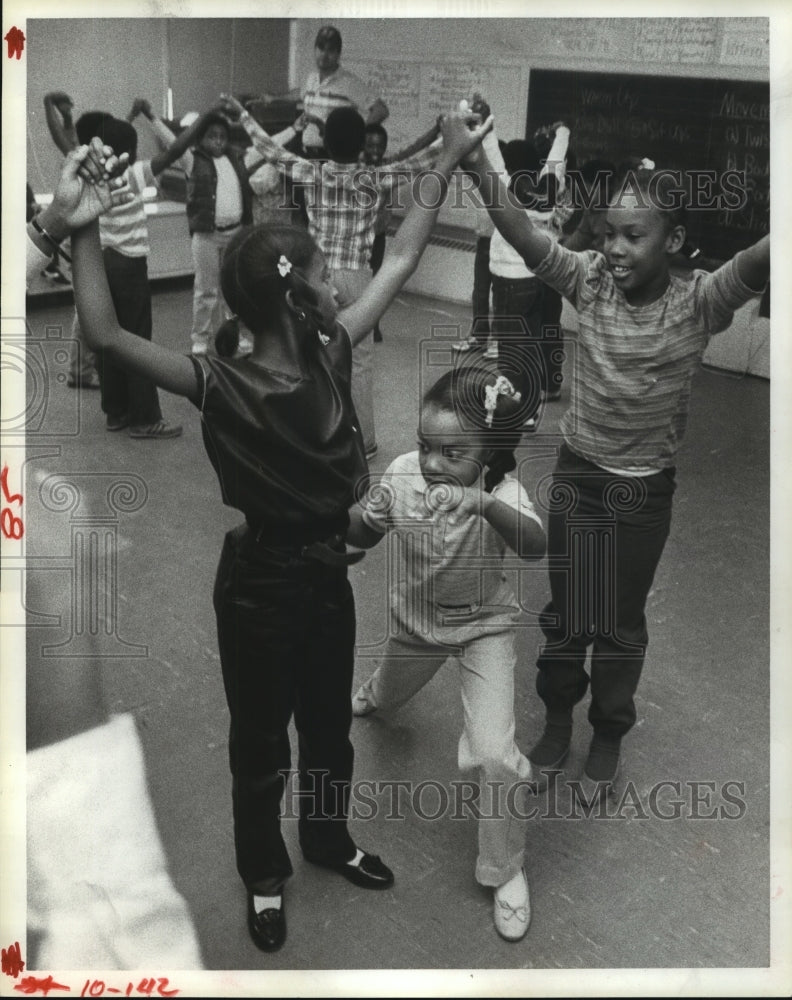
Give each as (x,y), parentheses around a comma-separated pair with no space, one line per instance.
(501,387)
(284,266)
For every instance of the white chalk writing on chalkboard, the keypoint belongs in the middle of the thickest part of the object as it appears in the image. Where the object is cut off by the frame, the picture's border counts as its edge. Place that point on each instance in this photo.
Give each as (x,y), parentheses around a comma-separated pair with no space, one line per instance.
(677,40)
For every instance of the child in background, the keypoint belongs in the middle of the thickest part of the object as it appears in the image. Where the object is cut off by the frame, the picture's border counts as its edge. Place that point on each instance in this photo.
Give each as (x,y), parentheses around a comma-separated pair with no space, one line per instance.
(641,334)
(456,511)
(552,302)
(129,401)
(481,327)
(342,198)
(373,155)
(524,354)
(272,195)
(219,203)
(280,429)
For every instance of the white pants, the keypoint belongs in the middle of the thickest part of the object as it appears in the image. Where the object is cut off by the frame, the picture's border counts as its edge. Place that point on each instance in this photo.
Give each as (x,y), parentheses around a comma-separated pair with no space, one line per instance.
(486,670)
(350,285)
(209,308)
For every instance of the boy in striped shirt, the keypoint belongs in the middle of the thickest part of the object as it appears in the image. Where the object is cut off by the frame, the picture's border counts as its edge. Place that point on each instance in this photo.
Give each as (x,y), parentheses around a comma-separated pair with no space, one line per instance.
(129,401)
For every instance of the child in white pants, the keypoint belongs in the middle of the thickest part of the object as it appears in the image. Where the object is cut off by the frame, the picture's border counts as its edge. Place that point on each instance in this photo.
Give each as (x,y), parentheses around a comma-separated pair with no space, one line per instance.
(456,511)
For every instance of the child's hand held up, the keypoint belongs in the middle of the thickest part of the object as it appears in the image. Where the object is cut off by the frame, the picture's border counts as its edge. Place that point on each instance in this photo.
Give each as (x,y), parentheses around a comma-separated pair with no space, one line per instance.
(462,133)
(230,105)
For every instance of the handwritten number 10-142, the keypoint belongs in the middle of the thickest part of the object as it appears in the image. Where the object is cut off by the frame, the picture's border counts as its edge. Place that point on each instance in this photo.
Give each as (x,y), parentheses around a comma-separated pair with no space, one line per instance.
(146,987)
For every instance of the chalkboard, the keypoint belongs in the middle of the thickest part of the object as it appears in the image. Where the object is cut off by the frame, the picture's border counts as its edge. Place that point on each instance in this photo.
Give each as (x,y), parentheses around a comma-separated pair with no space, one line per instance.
(687,124)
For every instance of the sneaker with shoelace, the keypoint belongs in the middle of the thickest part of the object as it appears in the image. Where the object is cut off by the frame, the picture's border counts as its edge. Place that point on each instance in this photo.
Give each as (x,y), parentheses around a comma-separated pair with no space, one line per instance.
(159,431)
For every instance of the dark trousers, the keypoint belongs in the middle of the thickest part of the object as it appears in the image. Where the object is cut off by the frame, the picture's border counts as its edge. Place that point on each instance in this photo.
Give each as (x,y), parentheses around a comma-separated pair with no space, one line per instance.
(552,338)
(124,392)
(606,534)
(377,252)
(286,630)
(377,257)
(482,282)
(517,326)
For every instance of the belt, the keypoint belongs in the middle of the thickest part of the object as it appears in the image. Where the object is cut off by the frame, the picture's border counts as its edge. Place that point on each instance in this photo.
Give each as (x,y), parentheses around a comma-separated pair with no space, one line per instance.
(325,552)
(330,550)
(225,229)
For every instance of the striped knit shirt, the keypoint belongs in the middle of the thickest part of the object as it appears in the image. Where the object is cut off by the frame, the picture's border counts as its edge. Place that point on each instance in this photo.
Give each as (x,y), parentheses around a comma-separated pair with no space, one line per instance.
(125,228)
(633,365)
(342,200)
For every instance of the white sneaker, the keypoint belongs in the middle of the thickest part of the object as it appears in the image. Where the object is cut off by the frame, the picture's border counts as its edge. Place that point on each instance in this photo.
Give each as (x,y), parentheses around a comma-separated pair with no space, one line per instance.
(245,347)
(492,351)
(512,912)
(361,705)
(199,349)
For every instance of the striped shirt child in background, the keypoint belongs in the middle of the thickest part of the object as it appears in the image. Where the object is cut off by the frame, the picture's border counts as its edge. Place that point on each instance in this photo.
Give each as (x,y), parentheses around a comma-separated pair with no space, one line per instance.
(642,331)
(128,401)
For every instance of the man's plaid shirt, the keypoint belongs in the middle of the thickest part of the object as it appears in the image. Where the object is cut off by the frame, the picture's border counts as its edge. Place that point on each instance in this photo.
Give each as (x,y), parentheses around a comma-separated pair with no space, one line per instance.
(342,199)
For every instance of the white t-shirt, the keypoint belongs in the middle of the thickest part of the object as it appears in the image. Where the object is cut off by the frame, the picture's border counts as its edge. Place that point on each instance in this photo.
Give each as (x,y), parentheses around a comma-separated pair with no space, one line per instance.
(228,199)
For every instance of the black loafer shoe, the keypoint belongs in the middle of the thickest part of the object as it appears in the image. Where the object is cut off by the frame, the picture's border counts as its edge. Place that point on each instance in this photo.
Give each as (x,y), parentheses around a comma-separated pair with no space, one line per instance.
(370,873)
(268,928)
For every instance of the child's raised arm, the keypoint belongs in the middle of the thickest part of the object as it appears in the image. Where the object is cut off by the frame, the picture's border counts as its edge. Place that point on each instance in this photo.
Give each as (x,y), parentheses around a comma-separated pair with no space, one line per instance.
(413,234)
(423,140)
(97,315)
(165,138)
(505,211)
(753,264)
(58,112)
(180,146)
(301,170)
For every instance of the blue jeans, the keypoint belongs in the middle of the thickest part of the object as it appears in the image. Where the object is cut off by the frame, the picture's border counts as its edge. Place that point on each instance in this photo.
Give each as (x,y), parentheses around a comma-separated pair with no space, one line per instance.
(606,534)
(286,631)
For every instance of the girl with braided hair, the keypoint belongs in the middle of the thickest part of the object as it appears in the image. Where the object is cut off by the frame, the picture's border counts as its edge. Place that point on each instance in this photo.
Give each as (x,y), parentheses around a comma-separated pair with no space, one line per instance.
(281,432)
(456,510)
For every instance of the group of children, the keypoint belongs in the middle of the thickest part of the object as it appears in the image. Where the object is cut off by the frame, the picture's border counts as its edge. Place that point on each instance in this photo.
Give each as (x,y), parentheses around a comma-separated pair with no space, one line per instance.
(288,430)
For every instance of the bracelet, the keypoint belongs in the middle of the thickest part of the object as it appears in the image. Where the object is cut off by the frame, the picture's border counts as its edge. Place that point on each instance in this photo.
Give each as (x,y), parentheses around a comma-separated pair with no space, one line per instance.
(43,232)
(50,239)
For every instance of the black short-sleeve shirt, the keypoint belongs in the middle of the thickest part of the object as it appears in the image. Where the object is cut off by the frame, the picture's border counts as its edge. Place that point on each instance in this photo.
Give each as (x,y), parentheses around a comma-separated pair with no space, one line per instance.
(286,449)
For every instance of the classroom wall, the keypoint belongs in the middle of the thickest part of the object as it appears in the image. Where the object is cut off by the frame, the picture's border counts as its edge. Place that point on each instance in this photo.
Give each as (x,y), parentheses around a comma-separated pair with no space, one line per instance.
(106,62)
